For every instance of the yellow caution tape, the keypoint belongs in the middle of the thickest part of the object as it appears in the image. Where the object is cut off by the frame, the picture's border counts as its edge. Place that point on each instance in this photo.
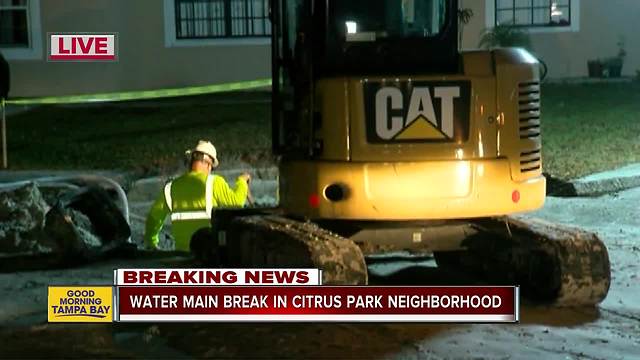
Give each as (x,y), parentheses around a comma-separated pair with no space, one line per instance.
(142,95)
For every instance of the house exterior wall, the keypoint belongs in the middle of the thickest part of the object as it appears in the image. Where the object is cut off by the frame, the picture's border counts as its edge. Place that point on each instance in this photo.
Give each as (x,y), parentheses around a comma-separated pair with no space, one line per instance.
(145,59)
(601,25)
(149,59)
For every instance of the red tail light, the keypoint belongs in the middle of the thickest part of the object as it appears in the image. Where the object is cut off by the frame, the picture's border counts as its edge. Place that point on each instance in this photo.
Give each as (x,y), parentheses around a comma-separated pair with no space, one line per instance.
(515,196)
(314,200)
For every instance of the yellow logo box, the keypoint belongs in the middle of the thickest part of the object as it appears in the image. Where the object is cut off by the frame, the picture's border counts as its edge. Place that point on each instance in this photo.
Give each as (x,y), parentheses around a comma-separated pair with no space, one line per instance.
(80,304)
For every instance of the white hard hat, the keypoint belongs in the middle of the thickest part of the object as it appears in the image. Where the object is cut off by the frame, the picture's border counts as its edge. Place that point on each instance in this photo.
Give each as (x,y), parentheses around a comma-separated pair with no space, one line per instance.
(206,147)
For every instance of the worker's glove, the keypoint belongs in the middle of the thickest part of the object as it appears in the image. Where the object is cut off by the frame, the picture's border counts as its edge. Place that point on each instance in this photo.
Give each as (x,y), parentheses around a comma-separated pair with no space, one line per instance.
(245,177)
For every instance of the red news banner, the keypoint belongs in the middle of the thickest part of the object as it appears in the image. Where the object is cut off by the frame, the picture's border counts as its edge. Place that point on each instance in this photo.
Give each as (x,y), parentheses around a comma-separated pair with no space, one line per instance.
(295,295)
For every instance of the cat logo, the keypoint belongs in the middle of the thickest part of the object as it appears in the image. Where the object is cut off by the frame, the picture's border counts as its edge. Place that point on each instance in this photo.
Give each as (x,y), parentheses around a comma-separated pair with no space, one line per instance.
(417,111)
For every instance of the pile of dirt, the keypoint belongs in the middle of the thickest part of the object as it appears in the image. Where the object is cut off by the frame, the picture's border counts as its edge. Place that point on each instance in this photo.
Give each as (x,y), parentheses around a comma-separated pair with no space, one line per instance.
(74,225)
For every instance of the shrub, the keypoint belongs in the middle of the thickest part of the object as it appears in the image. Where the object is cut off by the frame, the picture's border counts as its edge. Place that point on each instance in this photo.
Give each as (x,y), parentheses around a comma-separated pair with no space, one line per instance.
(505,36)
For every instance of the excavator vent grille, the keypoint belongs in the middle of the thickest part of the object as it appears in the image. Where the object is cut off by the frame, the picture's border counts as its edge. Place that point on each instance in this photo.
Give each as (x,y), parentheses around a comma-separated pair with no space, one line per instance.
(529,123)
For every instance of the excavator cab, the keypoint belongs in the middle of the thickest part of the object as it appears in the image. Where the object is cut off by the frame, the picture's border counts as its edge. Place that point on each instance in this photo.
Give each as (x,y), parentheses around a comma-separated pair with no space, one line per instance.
(315,40)
(390,138)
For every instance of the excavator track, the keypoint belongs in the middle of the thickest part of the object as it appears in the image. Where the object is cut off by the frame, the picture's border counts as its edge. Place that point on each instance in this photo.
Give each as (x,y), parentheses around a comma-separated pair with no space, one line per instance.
(277,241)
(555,264)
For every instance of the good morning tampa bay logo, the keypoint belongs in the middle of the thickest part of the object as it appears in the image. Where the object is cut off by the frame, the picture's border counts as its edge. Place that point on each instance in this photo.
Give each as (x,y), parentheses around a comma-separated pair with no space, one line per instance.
(80,304)
(417,111)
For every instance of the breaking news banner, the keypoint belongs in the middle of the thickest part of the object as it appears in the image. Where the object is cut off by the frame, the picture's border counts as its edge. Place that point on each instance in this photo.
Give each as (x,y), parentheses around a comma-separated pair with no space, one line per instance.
(217,277)
(273,295)
(318,304)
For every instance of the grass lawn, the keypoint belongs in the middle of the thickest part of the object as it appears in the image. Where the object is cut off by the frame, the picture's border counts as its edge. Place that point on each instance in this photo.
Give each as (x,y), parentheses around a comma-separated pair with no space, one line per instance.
(586,128)
(149,137)
(590,127)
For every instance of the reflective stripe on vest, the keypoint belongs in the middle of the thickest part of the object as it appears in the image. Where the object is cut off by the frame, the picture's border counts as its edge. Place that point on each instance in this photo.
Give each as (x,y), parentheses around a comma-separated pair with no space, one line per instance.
(192,215)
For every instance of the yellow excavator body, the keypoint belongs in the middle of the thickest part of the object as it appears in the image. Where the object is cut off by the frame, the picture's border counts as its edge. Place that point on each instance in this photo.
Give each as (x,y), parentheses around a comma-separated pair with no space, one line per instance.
(424,170)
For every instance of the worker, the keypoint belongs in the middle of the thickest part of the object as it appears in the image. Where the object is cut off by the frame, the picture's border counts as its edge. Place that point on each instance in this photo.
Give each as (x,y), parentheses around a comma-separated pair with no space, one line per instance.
(4,78)
(190,198)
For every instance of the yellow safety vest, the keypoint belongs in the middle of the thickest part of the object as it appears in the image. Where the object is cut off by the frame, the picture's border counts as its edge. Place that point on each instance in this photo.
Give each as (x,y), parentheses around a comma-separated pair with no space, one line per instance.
(191,215)
(189,200)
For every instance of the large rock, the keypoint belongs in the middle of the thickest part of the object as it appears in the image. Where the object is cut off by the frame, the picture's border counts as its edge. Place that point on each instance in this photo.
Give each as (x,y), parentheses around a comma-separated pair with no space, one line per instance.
(81,223)
(72,233)
(22,214)
(104,216)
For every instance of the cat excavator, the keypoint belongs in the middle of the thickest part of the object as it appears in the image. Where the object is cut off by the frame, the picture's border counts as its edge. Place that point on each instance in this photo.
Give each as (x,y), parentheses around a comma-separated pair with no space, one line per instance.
(391,138)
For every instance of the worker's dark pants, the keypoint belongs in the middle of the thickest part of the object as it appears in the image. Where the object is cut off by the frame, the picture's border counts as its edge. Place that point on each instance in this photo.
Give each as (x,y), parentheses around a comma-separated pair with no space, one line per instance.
(204,247)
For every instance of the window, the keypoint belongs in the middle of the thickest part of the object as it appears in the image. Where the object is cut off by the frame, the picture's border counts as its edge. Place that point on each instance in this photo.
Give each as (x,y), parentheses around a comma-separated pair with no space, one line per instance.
(210,19)
(367,20)
(20,30)
(14,23)
(533,13)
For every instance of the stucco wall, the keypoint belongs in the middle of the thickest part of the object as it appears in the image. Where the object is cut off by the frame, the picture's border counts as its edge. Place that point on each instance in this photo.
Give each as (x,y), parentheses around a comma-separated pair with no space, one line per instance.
(144,61)
(602,23)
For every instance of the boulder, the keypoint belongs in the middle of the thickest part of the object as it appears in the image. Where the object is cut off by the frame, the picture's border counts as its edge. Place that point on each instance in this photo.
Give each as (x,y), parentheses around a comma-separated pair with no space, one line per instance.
(22,214)
(81,225)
